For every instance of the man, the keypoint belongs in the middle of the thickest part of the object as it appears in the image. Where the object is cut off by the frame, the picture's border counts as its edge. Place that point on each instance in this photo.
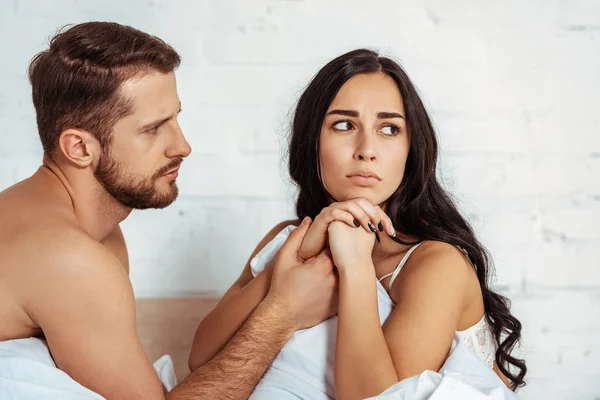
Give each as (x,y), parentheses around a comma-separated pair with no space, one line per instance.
(106,104)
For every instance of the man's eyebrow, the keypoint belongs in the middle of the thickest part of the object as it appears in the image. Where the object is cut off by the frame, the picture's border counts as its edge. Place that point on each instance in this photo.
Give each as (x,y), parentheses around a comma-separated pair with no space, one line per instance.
(347,113)
(157,122)
(384,115)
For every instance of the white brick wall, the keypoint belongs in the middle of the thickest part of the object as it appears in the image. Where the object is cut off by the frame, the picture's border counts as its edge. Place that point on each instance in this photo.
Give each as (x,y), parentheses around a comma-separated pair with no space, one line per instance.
(513,89)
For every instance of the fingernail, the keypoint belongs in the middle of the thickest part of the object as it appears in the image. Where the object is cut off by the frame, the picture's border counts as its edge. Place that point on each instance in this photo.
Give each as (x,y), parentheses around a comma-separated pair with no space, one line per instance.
(377,237)
(394,234)
(304,221)
(380,226)
(372,228)
(356,223)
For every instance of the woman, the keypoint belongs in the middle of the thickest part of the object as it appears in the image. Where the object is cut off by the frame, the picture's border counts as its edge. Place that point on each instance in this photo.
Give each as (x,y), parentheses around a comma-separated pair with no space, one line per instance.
(412,275)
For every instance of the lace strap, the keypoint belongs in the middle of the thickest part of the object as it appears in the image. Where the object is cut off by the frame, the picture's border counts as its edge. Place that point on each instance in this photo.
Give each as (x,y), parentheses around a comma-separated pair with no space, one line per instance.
(394,274)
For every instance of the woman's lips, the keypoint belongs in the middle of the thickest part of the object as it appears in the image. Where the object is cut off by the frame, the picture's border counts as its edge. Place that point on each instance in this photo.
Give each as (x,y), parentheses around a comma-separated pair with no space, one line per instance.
(361,180)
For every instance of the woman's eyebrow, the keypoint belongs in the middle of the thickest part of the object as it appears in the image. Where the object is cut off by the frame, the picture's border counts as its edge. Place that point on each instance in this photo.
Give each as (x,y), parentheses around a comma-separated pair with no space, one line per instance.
(384,115)
(380,115)
(348,113)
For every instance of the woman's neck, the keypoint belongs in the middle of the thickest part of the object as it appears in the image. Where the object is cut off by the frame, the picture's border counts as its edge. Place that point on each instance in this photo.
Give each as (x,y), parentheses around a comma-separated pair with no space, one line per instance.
(387,247)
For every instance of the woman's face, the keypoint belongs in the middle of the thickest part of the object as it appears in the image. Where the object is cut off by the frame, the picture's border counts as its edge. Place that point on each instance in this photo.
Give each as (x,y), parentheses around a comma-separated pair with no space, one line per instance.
(364,140)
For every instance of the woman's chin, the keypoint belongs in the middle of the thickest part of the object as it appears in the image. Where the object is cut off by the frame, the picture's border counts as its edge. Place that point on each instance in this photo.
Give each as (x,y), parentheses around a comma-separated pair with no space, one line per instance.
(368,194)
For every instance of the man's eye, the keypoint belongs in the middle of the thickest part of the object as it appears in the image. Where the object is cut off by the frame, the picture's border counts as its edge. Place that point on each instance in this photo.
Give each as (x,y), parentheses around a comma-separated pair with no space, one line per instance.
(343,125)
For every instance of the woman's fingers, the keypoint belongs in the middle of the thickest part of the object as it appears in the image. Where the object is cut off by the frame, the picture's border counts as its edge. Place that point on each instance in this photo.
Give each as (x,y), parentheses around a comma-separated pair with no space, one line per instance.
(358,214)
(385,223)
(370,217)
(355,213)
(316,237)
(371,211)
(338,214)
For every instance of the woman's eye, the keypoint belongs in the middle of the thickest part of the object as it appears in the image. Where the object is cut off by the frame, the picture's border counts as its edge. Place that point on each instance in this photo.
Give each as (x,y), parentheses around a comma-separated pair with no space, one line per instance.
(151,131)
(343,125)
(390,130)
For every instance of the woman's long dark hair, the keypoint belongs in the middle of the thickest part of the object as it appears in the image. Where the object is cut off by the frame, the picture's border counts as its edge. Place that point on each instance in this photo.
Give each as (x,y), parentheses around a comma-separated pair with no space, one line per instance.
(420,206)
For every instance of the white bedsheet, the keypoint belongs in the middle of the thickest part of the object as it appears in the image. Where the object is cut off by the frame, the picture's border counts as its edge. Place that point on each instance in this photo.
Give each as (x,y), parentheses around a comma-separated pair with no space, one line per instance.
(27,371)
(463,376)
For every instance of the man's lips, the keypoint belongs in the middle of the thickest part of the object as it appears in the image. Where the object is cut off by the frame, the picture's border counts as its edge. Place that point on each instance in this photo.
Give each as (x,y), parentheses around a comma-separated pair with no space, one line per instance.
(172,171)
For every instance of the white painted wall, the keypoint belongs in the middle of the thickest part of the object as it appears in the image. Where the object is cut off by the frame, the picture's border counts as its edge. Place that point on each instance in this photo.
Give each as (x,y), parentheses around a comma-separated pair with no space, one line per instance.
(512,87)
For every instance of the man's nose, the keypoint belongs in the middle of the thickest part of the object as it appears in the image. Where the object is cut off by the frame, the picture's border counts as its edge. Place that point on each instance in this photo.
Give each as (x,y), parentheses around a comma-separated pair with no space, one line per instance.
(180,146)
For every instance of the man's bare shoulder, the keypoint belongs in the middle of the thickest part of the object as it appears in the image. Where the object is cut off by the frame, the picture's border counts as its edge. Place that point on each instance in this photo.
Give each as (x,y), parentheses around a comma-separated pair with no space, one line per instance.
(84,304)
(77,269)
(44,247)
(115,242)
(47,240)
(48,268)
(38,220)
(30,211)
(71,251)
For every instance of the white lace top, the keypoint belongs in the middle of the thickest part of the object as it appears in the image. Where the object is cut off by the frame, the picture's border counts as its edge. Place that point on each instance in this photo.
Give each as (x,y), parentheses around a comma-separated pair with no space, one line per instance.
(479,340)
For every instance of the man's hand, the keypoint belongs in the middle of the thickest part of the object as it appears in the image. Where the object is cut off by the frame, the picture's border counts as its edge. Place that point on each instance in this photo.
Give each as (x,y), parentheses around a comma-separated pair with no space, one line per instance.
(307,287)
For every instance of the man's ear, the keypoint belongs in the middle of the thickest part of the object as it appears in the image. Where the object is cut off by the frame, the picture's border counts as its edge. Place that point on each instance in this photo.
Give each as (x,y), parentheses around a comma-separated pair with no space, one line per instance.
(79,147)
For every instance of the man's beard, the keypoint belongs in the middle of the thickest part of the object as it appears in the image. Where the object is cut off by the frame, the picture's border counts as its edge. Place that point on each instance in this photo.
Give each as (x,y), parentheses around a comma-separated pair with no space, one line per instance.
(140,193)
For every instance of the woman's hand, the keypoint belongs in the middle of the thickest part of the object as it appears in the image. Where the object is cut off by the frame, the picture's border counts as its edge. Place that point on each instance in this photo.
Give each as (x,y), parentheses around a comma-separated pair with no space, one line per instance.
(350,247)
(355,213)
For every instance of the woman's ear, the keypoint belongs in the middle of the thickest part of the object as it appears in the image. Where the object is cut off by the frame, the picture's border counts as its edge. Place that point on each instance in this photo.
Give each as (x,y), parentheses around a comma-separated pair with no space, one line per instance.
(79,147)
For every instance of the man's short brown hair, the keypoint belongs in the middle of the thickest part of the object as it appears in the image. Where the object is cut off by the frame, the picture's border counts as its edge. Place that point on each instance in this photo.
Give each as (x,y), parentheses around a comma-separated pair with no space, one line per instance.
(75,82)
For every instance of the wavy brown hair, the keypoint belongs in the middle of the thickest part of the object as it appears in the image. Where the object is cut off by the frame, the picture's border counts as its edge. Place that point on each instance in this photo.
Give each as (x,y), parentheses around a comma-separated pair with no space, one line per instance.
(419,206)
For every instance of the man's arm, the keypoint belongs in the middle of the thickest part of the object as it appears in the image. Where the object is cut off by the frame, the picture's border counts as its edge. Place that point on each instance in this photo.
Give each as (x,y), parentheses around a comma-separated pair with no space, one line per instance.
(83,301)
(237,304)
(302,294)
(236,370)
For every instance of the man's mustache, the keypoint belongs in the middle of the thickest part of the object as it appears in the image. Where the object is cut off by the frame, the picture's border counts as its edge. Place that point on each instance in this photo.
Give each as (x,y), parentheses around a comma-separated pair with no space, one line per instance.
(172,165)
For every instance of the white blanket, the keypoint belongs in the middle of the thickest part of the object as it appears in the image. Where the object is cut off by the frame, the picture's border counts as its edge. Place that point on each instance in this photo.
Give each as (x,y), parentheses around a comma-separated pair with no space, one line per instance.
(27,372)
(463,376)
